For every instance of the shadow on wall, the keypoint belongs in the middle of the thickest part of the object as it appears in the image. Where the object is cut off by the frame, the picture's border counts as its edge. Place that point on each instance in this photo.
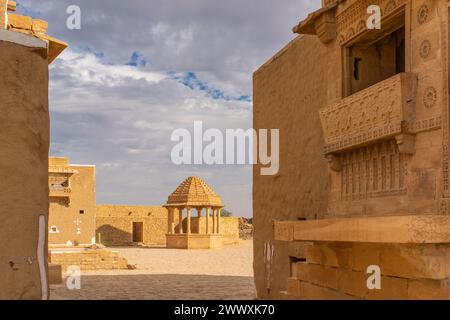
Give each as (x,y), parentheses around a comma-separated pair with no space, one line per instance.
(158,287)
(111,236)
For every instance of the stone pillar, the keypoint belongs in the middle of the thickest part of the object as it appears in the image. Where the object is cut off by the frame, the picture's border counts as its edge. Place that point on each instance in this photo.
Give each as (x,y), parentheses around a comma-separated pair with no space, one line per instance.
(188,221)
(169,220)
(199,217)
(172,222)
(218,221)
(208,212)
(180,218)
(214,220)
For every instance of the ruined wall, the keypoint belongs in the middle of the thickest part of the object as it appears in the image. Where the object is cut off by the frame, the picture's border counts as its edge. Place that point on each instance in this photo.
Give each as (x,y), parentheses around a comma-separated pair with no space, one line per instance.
(114,224)
(288,92)
(73,215)
(24,144)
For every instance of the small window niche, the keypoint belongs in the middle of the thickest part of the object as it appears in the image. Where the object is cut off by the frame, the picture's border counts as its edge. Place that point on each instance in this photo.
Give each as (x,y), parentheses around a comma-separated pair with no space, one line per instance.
(81,211)
(376,55)
(54,229)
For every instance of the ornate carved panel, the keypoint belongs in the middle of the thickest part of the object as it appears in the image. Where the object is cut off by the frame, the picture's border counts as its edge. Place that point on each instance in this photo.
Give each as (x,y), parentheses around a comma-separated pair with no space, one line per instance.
(379,112)
(353,20)
(375,171)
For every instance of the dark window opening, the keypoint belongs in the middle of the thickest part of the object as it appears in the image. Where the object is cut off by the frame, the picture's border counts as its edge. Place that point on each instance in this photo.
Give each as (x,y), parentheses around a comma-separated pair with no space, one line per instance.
(356,68)
(81,211)
(376,56)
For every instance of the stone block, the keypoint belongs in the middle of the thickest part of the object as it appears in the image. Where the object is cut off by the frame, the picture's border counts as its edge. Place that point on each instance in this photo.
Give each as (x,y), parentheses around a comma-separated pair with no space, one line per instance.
(416,261)
(20,22)
(39,26)
(54,274)
(310,291)
(353,283)
(428,290)
(293,287)
(317,274)
(391,289)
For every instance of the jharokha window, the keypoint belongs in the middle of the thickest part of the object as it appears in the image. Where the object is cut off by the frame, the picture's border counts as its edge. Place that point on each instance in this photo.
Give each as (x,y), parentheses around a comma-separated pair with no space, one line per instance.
(375,56)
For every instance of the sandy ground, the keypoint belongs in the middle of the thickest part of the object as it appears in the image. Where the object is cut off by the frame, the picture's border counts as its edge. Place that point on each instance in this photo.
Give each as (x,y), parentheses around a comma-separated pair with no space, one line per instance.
(167,274)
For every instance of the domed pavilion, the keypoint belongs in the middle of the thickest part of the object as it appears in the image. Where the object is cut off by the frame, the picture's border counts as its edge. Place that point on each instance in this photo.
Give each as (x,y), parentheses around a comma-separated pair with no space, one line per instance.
(194,194)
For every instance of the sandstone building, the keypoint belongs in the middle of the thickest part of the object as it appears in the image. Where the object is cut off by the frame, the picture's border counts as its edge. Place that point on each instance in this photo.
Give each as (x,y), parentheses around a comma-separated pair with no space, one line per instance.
(72,203)
(25,53)
(123,225)
(364,155)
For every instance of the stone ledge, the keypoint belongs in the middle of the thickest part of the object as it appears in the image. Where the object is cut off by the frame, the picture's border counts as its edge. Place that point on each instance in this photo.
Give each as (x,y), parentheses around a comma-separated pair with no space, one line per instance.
(22,39)
(395,229)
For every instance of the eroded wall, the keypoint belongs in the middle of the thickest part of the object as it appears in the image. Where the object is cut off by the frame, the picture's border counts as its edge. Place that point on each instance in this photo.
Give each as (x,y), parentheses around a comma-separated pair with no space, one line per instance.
(288,92)
(24,144)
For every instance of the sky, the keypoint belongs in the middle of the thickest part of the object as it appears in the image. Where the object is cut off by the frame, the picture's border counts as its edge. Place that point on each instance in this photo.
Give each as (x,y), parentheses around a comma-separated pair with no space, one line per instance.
(139,69)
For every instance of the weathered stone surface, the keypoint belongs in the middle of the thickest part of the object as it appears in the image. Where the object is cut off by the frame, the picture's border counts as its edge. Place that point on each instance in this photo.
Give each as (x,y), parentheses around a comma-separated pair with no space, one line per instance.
(428,290)
(310,291)
(101,259)
(288,90)
(316,274)
(54,274)
(24,143)
(393,229)
(20,22)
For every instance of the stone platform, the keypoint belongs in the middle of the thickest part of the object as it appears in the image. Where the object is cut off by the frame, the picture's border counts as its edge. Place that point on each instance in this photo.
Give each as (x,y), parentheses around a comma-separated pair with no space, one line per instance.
(194,241)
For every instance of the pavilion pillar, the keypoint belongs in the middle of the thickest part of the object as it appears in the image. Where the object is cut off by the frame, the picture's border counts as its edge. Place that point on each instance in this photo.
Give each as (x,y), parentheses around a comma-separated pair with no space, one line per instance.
(208,211)
(199,217)
(172,222)
(188,222)
(169,220)
(218,220)
(214,220)
(180,215)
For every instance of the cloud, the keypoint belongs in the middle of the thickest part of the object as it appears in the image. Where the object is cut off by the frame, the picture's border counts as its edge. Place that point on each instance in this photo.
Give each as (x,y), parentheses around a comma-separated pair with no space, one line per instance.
(139,69)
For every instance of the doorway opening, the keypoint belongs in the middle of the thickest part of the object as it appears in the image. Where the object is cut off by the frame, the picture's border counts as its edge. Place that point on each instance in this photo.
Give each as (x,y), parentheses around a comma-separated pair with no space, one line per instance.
(138,232)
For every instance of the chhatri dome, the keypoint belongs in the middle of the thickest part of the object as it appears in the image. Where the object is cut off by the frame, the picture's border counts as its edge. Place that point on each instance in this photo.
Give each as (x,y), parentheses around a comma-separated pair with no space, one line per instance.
(194,192)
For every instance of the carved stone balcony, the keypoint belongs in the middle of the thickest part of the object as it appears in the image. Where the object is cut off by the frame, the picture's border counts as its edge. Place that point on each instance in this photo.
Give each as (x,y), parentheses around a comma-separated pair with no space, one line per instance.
(60,192)
(383,111)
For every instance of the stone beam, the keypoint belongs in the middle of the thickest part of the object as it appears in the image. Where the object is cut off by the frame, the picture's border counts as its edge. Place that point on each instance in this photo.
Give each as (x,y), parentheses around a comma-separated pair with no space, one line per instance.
(395,229)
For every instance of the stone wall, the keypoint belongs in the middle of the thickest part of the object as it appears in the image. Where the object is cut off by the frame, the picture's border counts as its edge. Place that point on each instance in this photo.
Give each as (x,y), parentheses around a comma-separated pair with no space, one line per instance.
(288,92)
(338,271)
(114,224)
(98,259)
(24,144)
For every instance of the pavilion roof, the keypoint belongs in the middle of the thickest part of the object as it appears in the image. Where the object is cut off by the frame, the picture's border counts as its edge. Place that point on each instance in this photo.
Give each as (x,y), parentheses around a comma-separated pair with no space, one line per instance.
(194,192)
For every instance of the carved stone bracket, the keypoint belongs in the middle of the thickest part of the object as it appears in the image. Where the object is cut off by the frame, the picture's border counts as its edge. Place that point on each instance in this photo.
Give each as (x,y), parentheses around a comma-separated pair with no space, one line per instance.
(321,23)
(334,162)
(406,143)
